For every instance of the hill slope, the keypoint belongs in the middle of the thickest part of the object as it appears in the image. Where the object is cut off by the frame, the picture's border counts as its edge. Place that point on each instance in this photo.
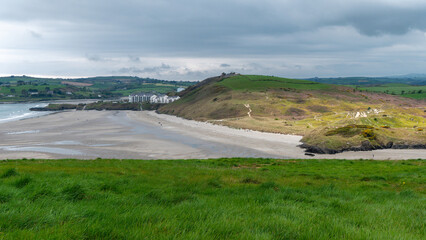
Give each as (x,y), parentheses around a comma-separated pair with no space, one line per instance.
(306,108)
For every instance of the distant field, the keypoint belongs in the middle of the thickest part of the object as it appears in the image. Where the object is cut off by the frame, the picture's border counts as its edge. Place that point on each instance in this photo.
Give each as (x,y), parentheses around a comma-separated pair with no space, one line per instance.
(212,199)
(405,90)
(260,83)
(24,88)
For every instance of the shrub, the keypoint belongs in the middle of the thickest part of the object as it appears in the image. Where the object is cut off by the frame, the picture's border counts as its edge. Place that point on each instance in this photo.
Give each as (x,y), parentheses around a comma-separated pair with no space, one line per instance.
(249,180)
(348,131)
(369,133)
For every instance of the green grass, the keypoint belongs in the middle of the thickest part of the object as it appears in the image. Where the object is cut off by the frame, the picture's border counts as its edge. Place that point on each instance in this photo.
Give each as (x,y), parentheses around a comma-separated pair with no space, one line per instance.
(405,90)
(416,96)
(18,89)
(159,88)
(212,199)
(262,83)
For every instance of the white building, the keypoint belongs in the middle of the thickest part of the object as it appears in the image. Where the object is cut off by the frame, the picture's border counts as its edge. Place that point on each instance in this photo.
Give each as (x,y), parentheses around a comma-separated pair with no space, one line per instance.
(151,98)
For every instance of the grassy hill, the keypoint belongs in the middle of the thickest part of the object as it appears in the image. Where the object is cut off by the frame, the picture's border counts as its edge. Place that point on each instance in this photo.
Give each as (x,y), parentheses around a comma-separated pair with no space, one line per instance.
(24,88)
(306,108)
(212,199)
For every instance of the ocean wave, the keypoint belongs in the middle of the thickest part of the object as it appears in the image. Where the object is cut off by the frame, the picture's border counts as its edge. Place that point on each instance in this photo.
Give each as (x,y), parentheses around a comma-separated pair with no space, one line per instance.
(14,112)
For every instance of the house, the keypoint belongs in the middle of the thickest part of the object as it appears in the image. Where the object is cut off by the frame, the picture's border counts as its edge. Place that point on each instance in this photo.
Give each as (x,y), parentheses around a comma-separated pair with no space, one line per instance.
(151,98)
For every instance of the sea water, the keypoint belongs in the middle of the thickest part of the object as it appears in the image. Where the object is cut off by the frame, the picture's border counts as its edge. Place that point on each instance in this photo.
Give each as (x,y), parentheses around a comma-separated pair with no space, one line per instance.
(18,111)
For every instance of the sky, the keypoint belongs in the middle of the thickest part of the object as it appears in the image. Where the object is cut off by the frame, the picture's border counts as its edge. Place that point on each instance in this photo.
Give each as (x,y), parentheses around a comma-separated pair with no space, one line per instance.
(196,39)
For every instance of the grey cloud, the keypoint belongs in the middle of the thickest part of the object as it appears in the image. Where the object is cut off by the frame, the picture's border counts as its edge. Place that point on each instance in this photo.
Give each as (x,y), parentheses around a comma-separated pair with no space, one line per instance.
(134,59)
(320,32)
(135,70)
(95,58)
(202,27)
(156,69)
(35,34)
(387,20)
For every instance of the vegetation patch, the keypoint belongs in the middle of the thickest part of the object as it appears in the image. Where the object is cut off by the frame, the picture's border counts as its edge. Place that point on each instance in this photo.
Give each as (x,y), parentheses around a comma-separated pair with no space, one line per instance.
(318,108)
(349,130)
(249,180)
(74,192)
(369,133)
(5,197)
(22,182)
(292,111)
(9,173)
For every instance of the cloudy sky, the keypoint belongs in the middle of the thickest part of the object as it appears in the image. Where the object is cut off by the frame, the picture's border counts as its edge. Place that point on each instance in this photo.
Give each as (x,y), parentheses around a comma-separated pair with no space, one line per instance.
(195,39)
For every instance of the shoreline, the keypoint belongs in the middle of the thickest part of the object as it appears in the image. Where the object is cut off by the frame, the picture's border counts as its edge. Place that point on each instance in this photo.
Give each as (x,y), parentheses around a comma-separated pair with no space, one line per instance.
(149,135)
(61,101)
(37,114)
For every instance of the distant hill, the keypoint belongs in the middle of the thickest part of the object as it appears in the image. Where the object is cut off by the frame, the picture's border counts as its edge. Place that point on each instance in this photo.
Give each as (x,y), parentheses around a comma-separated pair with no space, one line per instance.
(411,79)
(25,88)
(365,120)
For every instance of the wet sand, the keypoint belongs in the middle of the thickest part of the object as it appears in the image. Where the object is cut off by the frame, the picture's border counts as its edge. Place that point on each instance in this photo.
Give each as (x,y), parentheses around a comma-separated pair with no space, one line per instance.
(147,135)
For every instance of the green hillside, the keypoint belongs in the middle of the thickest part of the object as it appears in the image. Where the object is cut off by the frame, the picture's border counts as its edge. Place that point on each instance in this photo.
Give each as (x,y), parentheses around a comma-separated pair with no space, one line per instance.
(262,83)
(305,108)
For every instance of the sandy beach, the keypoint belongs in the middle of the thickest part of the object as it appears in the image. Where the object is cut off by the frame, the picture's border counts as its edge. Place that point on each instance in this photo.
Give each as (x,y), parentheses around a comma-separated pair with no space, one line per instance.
(148,135)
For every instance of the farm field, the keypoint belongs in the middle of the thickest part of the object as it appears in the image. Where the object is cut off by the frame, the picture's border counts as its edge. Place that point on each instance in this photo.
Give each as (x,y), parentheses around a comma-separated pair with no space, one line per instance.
(212,199)
(405,90)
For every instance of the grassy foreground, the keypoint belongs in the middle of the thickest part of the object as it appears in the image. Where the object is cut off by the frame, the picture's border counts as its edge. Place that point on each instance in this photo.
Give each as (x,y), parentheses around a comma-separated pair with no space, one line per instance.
(212,199)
